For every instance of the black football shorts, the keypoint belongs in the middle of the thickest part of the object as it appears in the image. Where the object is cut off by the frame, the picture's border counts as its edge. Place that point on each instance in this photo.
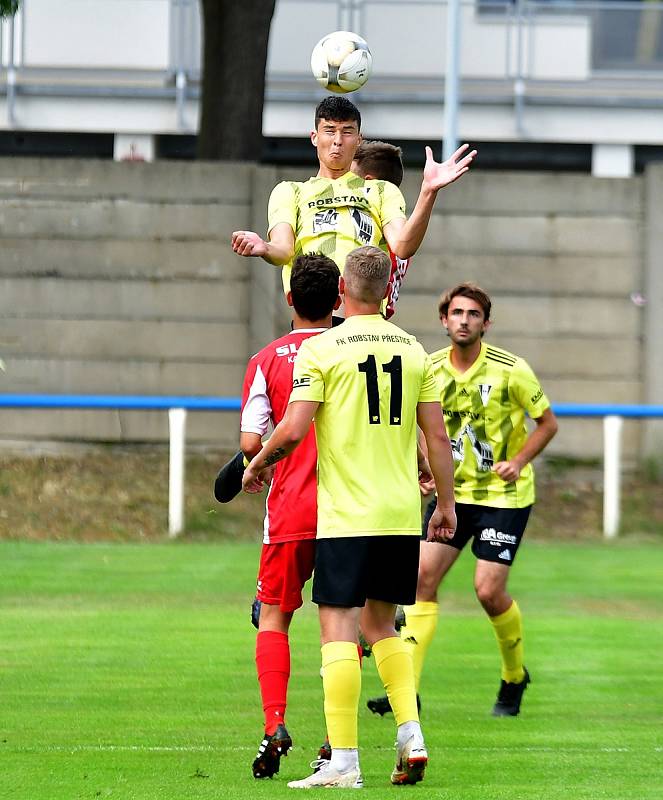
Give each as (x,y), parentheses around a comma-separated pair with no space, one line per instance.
(349,570)
(496,533)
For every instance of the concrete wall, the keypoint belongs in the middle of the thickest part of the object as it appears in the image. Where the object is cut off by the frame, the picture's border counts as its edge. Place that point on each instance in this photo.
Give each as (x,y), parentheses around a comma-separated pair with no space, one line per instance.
(119,278)
(560,255)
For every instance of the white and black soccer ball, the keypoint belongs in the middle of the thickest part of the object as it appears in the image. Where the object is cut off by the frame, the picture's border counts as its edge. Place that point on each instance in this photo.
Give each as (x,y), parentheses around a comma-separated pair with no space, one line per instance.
(341,62)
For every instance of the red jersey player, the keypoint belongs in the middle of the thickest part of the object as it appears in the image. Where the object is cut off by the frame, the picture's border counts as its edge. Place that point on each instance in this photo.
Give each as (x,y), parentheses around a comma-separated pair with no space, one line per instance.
(288,550)
(383,161)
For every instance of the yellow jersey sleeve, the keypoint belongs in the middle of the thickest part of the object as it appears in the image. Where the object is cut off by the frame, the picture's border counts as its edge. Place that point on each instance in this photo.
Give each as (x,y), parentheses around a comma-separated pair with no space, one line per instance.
(525,389)
(282,206)
(393,203)
(431,390)
(307,379)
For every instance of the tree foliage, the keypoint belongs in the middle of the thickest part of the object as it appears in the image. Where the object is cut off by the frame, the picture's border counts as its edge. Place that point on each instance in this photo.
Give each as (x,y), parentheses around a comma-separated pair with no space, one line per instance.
(8,7)
(236,36)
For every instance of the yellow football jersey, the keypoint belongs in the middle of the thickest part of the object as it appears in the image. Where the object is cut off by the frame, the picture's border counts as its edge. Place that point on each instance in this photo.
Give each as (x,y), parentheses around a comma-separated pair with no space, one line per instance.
(484,411)
(368,376)
(333,217)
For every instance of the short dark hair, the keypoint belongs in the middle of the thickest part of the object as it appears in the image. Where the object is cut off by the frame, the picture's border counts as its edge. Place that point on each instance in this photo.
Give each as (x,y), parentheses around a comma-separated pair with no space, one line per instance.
(337,109)
(467,289)
(314,286)
(380,159)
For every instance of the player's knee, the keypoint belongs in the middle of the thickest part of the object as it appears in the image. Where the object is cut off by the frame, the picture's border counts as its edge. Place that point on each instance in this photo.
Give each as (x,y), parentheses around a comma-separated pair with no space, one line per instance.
(427,585)
(375,632)
(488,595)
(273,619)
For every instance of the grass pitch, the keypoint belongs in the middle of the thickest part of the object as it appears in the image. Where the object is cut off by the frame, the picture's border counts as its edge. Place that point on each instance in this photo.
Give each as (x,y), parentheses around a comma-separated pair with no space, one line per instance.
(127,672)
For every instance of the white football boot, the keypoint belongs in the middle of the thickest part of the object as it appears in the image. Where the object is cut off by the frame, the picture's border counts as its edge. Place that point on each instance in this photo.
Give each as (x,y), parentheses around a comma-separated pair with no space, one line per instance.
(411,760)
(328,777)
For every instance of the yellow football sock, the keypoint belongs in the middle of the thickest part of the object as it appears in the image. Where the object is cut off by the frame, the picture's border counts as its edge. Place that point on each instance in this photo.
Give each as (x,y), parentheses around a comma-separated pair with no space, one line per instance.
(509,632)
(394,664)
(341,681)
(418,632)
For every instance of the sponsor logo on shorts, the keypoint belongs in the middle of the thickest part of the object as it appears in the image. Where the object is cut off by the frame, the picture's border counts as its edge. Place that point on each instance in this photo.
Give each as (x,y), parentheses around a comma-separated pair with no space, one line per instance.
(498,539)
(505,554)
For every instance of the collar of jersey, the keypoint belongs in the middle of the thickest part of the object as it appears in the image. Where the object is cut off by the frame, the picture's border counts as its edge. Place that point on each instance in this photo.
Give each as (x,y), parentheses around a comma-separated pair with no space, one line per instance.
(361,318)
(465,376)
(346,176)
(307,330)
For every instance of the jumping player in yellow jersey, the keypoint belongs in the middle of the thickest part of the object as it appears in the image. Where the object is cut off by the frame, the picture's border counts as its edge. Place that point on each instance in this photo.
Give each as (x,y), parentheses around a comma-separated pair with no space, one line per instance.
(486,394)
(337,211)
(367,384)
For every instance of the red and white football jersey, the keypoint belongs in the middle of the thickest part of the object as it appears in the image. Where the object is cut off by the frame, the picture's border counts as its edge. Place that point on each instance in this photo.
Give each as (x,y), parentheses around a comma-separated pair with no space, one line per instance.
(399,267)
(291,506)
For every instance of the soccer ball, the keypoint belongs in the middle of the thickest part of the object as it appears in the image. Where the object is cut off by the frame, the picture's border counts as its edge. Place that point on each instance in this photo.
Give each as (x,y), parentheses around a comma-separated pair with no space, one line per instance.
(341,62)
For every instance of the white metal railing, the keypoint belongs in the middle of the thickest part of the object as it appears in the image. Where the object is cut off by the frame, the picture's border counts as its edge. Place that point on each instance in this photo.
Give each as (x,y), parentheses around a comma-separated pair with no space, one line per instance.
(613,422)
(177,407)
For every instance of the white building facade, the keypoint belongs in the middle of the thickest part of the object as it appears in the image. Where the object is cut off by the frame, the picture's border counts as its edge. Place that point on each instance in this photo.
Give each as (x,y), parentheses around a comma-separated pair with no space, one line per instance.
(544,73)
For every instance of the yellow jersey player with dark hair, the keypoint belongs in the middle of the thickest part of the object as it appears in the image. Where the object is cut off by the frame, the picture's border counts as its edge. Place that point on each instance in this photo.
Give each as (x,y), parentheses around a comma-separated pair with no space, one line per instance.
(487,393)
(336,210)
(367,384)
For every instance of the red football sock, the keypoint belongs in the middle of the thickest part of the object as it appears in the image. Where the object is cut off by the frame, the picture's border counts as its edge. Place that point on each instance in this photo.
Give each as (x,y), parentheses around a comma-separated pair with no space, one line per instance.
(273,665)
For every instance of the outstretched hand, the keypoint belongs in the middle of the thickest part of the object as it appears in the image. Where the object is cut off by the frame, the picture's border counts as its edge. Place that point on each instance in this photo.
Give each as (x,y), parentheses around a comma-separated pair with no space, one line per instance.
(248,243)
(438,175)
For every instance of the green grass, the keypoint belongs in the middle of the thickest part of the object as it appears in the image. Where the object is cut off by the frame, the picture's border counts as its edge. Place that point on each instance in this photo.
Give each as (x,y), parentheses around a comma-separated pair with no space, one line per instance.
(126,671)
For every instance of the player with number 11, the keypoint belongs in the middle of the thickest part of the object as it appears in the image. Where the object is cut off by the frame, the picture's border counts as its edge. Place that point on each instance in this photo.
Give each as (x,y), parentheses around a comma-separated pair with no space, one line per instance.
(367,384)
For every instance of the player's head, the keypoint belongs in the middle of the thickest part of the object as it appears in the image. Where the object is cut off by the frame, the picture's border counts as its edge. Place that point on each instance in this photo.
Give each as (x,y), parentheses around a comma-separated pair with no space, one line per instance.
(314,287)
(336,108)
(465,313)
(366,275)
(336,135)
(379,160)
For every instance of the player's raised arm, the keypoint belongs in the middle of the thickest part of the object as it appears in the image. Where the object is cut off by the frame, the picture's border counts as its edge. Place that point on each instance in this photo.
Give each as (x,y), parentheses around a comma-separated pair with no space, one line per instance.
(278,250)
(405,236)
